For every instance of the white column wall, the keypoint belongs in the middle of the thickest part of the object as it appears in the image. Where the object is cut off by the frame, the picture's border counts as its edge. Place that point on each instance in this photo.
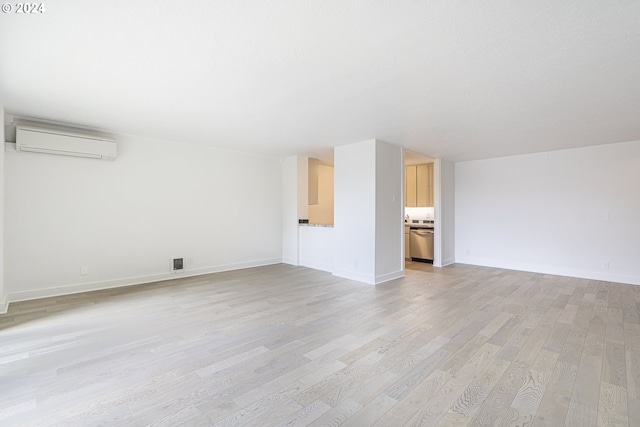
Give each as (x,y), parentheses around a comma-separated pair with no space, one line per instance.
(303,187)
(290,210)
(389,212)
(368,229)
(354,215)
(3,290)
(445,212)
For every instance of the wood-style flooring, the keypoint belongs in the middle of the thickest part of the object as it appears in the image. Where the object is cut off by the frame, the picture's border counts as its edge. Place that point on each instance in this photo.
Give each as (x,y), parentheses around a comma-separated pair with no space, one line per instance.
(291,346)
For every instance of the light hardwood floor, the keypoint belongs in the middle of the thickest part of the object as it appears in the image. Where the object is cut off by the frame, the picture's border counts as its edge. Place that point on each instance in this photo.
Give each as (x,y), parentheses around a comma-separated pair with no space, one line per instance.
(283,345)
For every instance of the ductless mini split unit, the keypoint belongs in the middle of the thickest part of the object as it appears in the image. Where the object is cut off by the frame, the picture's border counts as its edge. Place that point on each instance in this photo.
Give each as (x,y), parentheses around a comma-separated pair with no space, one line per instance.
(36,138)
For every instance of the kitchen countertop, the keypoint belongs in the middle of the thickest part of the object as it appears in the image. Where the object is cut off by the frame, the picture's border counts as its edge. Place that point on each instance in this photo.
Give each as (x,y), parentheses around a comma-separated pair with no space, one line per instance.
(419,225)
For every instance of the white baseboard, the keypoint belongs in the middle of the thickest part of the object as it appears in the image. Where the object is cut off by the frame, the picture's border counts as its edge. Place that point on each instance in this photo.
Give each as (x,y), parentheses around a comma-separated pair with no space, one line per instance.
(370,280)
(129,281)
(290,261)
(447,261)
(317,265)
(389,276)
(4,305)
(553,270)
(358,277)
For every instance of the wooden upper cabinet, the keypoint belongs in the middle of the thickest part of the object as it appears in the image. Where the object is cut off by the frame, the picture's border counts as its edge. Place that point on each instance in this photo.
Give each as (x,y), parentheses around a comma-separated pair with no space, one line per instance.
(433,185)
(419,185)
(430,185)
(422,185)
(313,181)
(410,186)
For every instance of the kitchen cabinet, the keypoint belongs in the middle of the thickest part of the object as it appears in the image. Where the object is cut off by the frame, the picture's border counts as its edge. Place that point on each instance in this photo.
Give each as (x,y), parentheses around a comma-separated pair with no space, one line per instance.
(418,185)
(313,181)
(407,242)
(410,194)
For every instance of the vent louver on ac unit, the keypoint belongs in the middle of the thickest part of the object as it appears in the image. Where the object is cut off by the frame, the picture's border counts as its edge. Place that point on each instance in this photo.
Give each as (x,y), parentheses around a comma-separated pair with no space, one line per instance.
(64,142)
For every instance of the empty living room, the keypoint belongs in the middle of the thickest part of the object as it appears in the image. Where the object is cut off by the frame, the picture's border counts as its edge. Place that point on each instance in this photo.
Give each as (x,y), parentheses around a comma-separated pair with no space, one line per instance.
(205,213)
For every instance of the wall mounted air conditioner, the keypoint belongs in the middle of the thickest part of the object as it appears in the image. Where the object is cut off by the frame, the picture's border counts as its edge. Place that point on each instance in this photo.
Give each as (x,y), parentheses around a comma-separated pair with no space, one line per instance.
(35,138)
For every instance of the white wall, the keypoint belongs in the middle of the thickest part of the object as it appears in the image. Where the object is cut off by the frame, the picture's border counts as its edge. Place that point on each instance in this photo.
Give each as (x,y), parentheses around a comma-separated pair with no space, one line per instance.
(316,247)
(445,205)
(290,210)
(365,222)
(389,212)
(566,212)
(126,219)
(3,291)
(303,187)
(354,211)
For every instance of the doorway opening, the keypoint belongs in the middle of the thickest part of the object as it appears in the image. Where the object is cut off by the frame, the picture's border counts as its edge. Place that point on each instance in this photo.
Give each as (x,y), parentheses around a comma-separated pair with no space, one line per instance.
(419,211)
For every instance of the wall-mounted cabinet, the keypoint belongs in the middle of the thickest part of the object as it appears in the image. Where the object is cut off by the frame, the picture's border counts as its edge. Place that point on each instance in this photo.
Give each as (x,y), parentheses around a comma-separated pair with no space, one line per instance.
(313,181)
(418,185)
(322,211)
(410,176)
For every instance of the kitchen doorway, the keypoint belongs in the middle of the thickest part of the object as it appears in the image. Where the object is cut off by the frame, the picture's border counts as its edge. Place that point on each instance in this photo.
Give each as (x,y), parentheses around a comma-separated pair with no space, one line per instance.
(419,211)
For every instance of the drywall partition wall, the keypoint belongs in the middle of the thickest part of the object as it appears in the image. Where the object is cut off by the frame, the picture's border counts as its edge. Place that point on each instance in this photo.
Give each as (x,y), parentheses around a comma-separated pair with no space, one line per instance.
(570,212)
(354,211)
(437,211)
(316,247)
(303,187)
(322,212)
(368,228)
(121,222)
(3,292)
(445,217)
(389,211)
(290,210)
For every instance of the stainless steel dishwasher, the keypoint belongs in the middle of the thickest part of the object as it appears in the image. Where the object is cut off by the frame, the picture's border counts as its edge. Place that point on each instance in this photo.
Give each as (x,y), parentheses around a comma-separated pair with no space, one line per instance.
(422,244)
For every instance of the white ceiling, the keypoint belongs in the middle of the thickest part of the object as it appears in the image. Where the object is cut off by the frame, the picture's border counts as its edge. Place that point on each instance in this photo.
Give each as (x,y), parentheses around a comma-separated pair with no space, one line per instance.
(452,79)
